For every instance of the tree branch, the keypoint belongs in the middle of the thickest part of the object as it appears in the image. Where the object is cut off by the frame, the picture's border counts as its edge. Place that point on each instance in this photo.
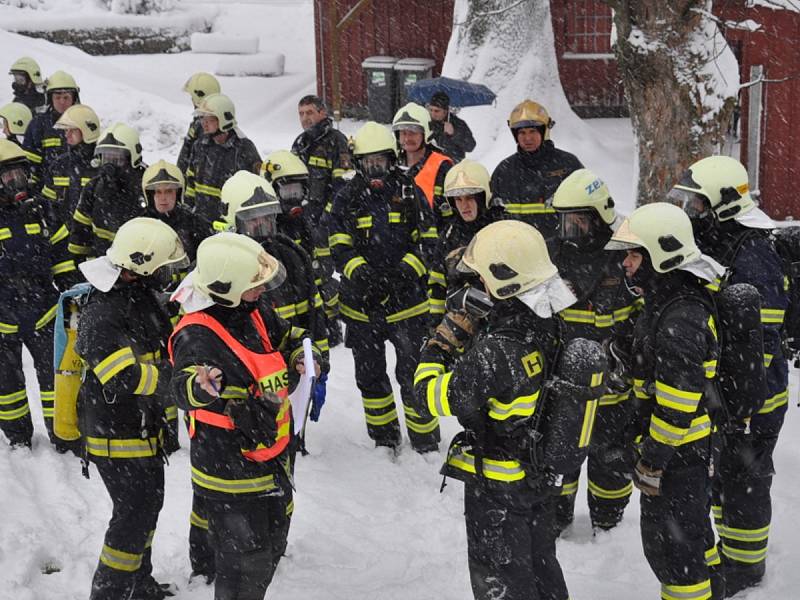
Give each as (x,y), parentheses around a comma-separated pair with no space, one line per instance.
(491,13)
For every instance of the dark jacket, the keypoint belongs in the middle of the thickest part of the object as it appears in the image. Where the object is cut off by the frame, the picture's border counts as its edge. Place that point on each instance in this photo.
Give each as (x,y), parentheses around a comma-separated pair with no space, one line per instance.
(325,152)
(66,179)
(210,167)
(191,228)
(456,145)
(440,209)
(375,241)
(32,98)
(43,143)
(675,350)
(215,452)
(524,182)
(111,199)
(121,339)
(194,133)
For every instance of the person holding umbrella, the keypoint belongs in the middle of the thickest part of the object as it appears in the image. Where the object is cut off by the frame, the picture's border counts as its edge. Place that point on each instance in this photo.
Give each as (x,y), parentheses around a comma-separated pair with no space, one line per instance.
(449,132)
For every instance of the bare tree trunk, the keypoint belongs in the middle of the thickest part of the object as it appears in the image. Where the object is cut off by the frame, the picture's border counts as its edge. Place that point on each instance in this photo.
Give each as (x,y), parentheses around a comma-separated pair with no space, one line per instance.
(680,85)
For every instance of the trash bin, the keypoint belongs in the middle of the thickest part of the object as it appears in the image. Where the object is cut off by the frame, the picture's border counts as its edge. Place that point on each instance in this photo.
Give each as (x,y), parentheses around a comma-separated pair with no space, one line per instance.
(409,71)
(380,87)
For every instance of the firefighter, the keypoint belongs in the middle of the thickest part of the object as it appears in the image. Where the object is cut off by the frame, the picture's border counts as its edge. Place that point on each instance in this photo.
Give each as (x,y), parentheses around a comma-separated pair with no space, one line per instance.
(198,86)
(121,404)
(33,268)
(675,353)
(728,226)
(526,180)
(466,188)
(27,84)
(493,390)
(602,313)
(43,142)
(163,186)
(72,170)
(233,367)
(111,198)
(325,152)
(290,180)
(16,118)
(375,243)
(426,166)
(221,151)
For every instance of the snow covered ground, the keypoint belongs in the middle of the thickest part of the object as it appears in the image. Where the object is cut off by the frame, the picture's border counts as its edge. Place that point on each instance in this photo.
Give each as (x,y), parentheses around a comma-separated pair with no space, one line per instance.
(365,527)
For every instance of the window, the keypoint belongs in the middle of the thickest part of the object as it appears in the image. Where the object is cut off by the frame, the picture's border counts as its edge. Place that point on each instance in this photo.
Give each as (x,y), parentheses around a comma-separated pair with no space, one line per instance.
(588,28)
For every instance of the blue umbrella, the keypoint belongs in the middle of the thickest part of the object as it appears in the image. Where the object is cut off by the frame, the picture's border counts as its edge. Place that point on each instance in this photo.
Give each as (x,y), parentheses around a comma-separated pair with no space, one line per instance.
(461,93)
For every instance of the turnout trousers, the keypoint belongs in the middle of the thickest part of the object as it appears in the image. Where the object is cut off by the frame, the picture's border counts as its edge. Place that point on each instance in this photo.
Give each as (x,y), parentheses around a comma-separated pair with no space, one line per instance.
(136,487)
(15,413)
(511,548)
(367,342)
(677,536)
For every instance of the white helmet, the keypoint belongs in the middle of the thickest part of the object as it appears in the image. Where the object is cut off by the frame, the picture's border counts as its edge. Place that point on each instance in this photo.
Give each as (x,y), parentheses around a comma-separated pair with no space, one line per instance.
(719,183)
(80,116)
(119,142)
(17,117)
(221,107)
(229,264)
(249,205)
(413,116)
(143,245)
(201,85)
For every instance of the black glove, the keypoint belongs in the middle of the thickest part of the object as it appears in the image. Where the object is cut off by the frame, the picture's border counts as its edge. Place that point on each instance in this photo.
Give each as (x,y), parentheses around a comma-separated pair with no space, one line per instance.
(619,459)
(254,418)
(618,380)
(647,479)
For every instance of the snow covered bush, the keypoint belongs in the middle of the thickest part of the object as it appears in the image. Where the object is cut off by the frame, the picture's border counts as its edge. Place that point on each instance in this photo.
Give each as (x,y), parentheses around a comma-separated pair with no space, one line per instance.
(140,7)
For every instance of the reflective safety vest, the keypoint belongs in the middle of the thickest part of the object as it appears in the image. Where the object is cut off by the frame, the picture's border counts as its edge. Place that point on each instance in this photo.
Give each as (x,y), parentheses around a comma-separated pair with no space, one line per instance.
(268,370)
(426,178)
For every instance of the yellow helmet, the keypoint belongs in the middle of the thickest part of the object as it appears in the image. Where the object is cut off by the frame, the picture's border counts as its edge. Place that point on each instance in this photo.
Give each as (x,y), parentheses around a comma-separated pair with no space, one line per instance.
(17,116)
(248,200)
(373,139)
(662,229)
(162,173)
(413,116)
(80,116)
(467,178)
(220,106)
(62,81)
(118,139)
(721,182)
(15,169)
(510,256)
(229,264)
(200,85)
(282,163)
(143,245)
(11,152)
(584,190)
(28,66)
(531,114)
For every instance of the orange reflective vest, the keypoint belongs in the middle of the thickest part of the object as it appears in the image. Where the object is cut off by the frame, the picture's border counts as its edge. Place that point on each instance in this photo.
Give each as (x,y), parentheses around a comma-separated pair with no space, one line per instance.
(426,178)
(266,370)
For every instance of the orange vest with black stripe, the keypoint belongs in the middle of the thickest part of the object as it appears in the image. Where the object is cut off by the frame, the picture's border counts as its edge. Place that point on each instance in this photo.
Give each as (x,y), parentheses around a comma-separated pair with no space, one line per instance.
(426,178)
(264,368)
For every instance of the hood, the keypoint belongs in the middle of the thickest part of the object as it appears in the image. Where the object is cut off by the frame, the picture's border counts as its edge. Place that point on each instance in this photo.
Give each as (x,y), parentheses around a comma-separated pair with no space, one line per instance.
(549,297)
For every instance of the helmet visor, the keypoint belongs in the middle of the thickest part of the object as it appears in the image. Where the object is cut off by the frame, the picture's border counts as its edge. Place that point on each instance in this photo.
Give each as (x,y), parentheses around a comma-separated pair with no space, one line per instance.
(694,204)
(277,279)
(14,181)
(167,277)
(578,225)
(291,192)
(19,77)
(259,223)
(119,157)
(375,166)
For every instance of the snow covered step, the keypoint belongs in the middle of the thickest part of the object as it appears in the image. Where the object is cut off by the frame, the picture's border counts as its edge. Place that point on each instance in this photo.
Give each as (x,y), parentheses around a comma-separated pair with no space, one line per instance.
(259,65)
(218,43)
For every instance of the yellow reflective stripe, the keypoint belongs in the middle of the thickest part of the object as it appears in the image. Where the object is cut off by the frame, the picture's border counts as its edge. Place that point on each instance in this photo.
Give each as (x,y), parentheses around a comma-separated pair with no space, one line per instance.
(529,208)
(381,420)
(302,307)
(713,286)
(320,161)
(34,157)
(103,234)
(408,313)
(65,266)
(59,235)
(778,400)
(221,226)
(49,193)
(426,370)
(521,406)
(352,313)
(352,265)
(196,520)
(587,317)
(768,360)
(612,399)
(148,380)
(171,412)
(13,397)
(772,315)
(209,190)
(344,239)
(419,425)
(430,234)
(669,434)
(79,249)
(588,424)
(233,486)
(17,413)
(600,492)
(61,181)
(122,448)
(395,217)
(378,403)
(569,489)
(338,173)
(119,560)
(437,278)
(750,557)
(415,264)
(597,379)
(51,142)
(322,252)
(710,367)
(364,222)
(745,535)
(149,357)
(677,399)
(82,218)
(499,470)
(697,591)
(5,233)
(85,181)
(712,557)
(33,228)
(622,314)
(286,312)
(437,306)
(114,363)
(46,317)
(8,328)
(190,193)
(436,395)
